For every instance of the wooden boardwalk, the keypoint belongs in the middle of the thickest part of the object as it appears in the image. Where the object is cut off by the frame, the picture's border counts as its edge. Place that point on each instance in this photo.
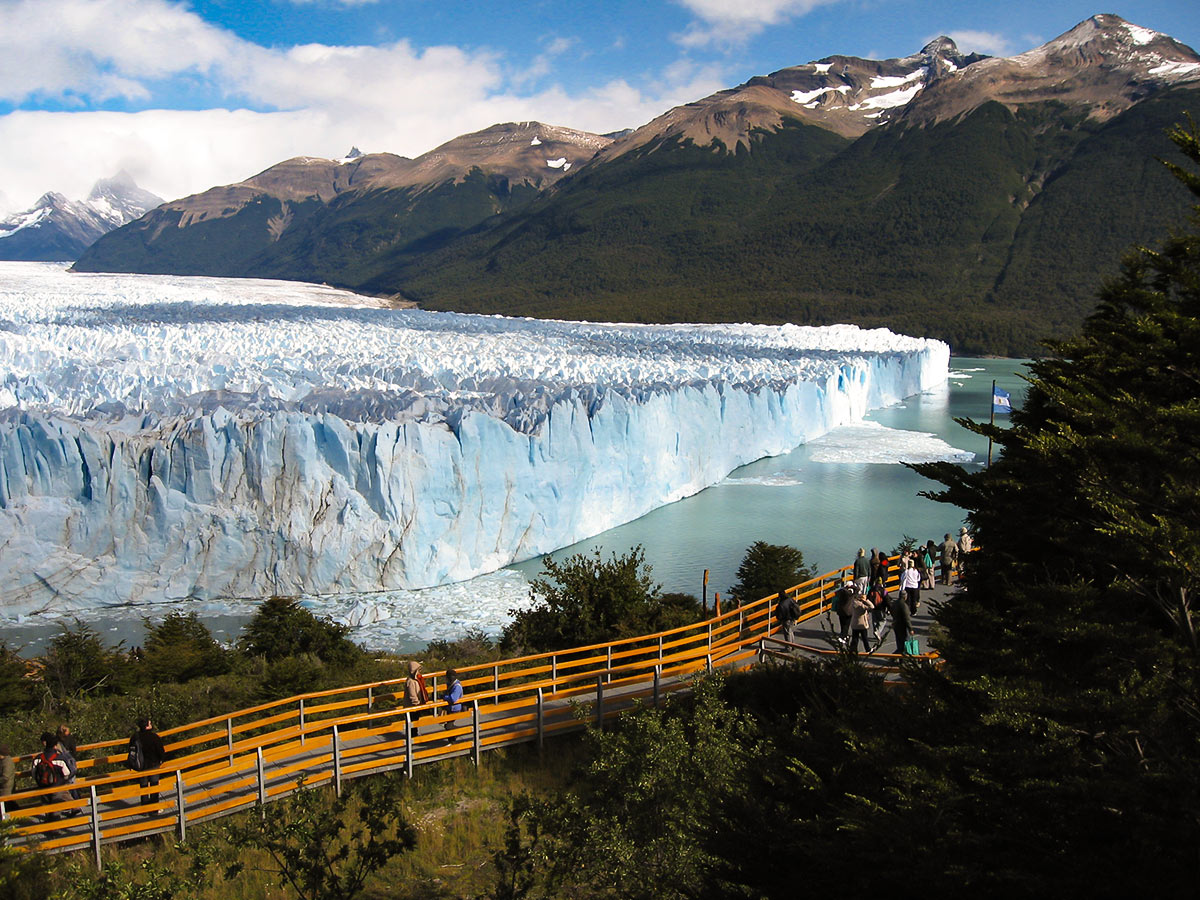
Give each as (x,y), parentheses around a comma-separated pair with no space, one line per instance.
(251,757)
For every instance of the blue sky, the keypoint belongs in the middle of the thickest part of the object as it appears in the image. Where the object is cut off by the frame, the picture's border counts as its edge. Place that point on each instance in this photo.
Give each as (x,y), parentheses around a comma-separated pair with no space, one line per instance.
(187,95)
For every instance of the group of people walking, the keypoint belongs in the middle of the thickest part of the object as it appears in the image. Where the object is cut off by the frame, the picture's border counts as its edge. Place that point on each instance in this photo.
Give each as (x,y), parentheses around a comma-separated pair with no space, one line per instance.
(865,604)
(56,766)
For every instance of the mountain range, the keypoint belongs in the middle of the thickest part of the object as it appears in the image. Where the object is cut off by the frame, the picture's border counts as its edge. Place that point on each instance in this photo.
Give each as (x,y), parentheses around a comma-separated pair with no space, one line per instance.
(58,229)
(976,199)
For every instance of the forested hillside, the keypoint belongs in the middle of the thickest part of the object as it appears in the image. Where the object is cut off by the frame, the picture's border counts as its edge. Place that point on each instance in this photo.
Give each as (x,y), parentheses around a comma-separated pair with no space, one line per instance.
(990,232)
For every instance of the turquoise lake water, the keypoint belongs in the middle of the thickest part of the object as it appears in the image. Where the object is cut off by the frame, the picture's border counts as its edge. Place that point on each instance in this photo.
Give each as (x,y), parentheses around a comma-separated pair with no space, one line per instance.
(826,501)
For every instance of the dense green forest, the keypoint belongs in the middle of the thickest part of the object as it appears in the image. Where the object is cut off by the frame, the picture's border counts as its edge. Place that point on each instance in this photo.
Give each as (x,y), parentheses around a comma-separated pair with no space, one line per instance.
(990,232)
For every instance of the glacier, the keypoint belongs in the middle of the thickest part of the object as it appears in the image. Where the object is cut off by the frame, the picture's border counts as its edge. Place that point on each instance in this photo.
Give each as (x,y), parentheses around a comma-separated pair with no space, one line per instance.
(171,438)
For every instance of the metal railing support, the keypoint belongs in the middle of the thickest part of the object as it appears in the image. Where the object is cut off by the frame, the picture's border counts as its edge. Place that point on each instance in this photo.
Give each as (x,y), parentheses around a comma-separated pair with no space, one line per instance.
(3,811)
(337,762)
(179,805)
(608,664)
(554,673)
(262,783)
(476,747)
(301,721)
(496,683)
(710,635)
(541,720)
(370,697)
(408,745)
(708,667)
(660,647)
(229,739)
(600,702)
(657,682)
(96,828)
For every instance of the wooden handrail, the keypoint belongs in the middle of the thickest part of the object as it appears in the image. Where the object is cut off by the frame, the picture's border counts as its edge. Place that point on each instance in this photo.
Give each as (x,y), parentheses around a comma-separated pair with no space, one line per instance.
(226,763)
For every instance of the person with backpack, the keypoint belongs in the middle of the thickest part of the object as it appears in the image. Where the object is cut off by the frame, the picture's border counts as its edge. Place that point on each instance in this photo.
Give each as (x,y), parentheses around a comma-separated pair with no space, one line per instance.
(415,692)
(52,769)
(453,696)
(146,753)
(786,614)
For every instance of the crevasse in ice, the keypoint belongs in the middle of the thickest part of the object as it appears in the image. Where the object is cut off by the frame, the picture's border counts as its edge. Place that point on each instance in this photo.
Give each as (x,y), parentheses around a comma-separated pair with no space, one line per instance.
(165,437)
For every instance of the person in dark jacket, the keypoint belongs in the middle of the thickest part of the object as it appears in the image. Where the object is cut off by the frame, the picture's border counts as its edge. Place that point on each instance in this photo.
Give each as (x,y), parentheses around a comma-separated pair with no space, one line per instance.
(151,755)
(901,620)
(786,613)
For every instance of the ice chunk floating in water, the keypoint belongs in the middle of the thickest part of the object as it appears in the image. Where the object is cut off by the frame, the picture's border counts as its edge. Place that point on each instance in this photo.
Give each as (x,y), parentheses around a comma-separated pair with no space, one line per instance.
(165,437)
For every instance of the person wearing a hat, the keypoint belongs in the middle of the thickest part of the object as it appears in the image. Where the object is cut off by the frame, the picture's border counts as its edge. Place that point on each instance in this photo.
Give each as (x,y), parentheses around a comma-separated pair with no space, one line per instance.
(949,551)
(415,693)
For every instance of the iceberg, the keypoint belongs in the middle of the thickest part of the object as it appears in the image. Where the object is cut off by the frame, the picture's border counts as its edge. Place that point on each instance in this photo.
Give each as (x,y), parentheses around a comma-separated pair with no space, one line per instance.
(168,438)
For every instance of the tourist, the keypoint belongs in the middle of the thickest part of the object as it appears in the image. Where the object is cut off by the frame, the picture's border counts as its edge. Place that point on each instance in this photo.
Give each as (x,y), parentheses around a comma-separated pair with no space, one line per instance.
(878,599)
(927,554)
(963,549)
(860,613)
(862,572)
(453,697)
(786,614)
(911,583)
(949,552)
(901,621)
(8,774)
(884,571)
(51,768)
(415,692)
(146,753)
(843,602)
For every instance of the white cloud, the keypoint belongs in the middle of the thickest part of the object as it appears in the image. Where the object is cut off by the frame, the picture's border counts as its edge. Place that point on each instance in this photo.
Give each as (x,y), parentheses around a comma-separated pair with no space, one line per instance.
(721,22)
(989,42)
(313,100)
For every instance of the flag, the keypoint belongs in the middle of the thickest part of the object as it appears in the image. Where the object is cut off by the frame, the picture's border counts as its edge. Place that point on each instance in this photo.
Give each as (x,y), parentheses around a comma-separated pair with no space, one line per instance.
(1001,403)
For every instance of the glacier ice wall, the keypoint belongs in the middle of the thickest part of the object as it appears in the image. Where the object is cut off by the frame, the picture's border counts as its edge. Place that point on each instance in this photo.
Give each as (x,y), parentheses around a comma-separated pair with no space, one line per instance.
(165,437)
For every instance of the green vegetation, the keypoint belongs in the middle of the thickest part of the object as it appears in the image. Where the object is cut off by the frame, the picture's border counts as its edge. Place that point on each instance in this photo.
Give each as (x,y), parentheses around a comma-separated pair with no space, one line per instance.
(587,600)
(766,569)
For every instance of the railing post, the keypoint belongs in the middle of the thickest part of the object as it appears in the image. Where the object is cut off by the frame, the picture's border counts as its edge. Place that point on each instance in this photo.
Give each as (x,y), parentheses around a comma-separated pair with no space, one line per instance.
(370,697)
(708,663)
(262,783)
(229,739)
(337,762)
(660,647)
(541,719)
(554,673)
(301,721)
(179,804)
(657,681)
(408,745)
(3,811)
(96,828)
(496,683)
(710,635)
(608,664)
(475,731)
(433,691)
(600,702)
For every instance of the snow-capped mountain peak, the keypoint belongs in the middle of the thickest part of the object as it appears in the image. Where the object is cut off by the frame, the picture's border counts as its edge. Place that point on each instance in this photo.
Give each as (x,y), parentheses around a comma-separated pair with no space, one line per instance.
(57,228)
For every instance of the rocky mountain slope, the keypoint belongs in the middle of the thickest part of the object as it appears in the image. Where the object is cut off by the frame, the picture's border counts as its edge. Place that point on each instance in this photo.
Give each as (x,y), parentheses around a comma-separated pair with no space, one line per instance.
(979,200)
(60,229)
(288,220)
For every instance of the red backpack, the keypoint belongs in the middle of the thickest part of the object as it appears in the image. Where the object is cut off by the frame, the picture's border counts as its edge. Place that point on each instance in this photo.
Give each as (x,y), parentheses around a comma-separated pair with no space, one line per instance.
(45,772)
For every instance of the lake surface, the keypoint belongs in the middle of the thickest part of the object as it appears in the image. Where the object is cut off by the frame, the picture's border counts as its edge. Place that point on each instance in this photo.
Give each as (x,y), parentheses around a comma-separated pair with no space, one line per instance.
(827,498)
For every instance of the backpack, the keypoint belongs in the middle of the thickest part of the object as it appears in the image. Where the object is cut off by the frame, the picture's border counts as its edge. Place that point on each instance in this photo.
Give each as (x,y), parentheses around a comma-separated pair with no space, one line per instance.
(45,773)
(134,759)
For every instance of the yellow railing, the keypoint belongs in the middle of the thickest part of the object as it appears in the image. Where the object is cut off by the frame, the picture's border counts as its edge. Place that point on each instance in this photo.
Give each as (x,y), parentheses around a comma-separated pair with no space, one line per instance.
(249,757)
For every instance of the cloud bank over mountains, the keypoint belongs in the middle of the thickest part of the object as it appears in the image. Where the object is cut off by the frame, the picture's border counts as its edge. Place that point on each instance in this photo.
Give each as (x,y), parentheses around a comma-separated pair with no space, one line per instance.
(252,105)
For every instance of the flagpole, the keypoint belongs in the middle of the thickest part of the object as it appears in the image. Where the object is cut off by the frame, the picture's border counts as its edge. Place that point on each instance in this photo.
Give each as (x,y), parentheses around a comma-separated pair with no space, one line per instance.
(992,421)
